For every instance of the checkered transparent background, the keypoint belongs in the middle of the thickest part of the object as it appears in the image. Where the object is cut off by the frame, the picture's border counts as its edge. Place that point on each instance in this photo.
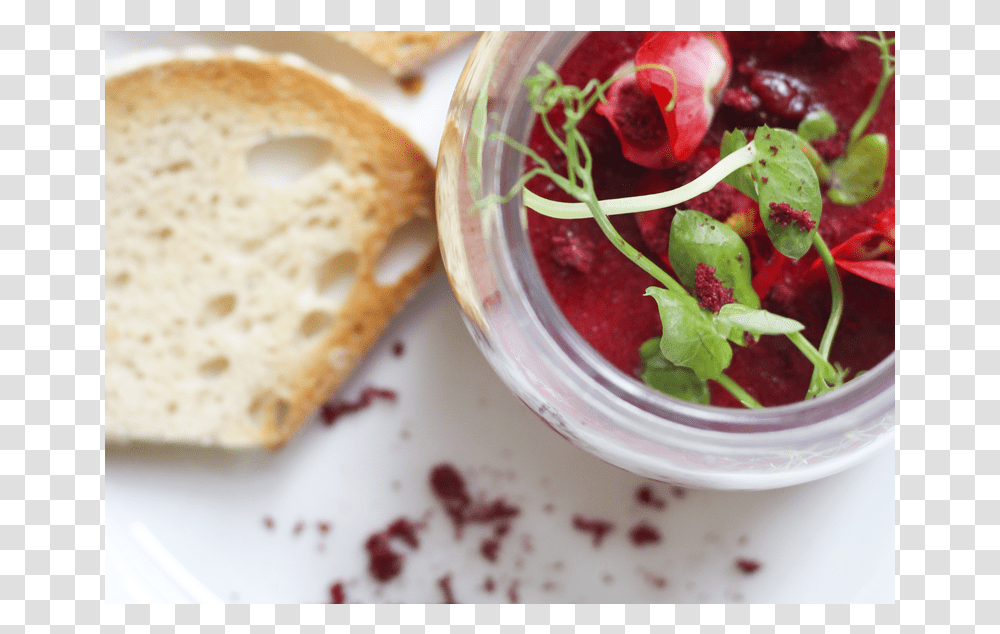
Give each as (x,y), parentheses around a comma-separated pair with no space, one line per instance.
(51,307)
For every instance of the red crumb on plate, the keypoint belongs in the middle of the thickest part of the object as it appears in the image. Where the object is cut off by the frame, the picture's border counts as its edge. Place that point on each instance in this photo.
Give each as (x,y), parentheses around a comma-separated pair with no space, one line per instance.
(643,534)
(747,566)
(337,593)
(445,584)
(384,563)
(596,527)
(331,411)
(645,496)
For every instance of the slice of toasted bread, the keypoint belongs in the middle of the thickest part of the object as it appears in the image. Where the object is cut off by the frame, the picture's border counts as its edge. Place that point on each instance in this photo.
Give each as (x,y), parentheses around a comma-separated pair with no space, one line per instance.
(402,53)
(235,307)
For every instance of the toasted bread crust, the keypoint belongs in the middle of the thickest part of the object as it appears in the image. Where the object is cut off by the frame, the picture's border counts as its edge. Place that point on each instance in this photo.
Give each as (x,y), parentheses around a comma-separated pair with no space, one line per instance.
(401,53)
(205,116)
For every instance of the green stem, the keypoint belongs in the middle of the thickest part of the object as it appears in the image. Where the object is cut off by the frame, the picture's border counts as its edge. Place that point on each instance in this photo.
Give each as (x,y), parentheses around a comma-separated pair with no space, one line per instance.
(888,70)
(740,158)
(826,371)
(627,249)
(734,388)
(836,309)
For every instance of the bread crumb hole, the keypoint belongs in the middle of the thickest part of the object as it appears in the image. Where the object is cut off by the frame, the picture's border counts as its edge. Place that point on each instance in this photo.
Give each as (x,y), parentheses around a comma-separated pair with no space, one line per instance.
(336,276)
(221,305)
(163,234)
(172,407)
(280,162)
(314,322)
(255,404)
(121,279)
(214,367)
(280,412)
(407,247)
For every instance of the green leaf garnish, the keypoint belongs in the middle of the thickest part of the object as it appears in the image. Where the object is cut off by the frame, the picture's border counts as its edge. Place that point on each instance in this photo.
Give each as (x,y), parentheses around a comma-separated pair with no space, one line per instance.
(742,178)
(674,380)
(697,238)
(755,321)
(857,176)
(784,176)
(817,125)
(690,338)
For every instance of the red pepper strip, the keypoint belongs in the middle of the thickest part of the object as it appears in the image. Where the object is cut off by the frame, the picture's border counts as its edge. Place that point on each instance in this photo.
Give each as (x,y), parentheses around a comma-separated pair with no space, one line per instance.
(701,64)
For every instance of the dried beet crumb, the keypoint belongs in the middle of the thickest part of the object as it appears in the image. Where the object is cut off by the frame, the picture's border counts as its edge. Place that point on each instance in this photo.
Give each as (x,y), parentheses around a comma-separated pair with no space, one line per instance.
(268,522)
(709,290)
(655,580)
(299,527)
(337,594)
(445,584)
(498,509)
(398,348)
(572,250)
(489,585)
(643,534)
(449,487)
(747,566)
(490,548)
(741,99)
(646,497)
(512,595)
(330,412)
(323,527)
(405,530)
(596,527)
(383,562)
(783,215)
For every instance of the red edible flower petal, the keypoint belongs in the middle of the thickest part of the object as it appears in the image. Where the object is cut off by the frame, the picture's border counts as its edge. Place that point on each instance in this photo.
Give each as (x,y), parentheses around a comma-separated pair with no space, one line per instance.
(701,64)
(878,271)
(860,253)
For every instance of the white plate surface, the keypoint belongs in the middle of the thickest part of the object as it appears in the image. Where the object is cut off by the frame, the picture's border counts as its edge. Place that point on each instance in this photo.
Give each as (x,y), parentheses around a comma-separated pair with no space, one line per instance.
(189,525)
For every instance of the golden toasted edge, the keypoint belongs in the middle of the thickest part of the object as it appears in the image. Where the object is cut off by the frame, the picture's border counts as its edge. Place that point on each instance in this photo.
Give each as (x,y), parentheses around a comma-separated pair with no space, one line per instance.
(401,53)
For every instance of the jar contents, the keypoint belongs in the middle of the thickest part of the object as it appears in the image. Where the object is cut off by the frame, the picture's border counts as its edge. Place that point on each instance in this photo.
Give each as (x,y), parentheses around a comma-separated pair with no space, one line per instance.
(681,103)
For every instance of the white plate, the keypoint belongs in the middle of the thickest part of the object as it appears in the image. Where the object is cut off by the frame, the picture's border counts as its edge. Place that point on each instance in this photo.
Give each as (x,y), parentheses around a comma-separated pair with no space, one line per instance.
(189,525)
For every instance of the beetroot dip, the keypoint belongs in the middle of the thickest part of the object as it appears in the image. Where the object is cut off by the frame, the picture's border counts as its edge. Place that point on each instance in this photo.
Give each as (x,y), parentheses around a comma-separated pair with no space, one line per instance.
(776,78)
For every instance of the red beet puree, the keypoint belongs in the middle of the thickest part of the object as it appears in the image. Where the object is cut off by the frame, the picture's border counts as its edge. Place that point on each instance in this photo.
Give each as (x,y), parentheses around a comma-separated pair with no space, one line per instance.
(775,80)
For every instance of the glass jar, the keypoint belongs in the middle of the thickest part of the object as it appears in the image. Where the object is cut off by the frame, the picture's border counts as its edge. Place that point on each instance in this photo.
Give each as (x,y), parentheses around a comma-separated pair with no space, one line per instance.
(550,367)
